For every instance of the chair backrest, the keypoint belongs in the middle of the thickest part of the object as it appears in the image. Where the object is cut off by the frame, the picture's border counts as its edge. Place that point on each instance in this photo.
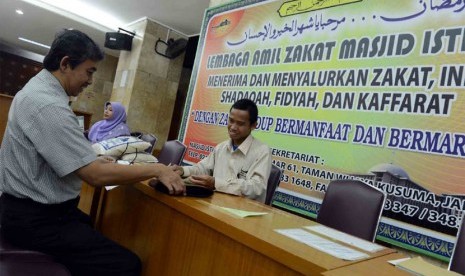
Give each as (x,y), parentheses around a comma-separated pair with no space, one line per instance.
(152,139)
(273,182)
(353,207)
(137,134)
(457,261)
(172,153)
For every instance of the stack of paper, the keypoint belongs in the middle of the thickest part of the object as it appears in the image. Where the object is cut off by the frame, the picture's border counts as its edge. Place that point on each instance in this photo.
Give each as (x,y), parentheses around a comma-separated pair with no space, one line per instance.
(324,245)
(346,238)
(242,213)
(418,266)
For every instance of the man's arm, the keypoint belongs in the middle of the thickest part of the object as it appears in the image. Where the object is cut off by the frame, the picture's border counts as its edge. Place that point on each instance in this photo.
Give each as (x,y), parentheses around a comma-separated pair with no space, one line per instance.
(203,167)
(102,173)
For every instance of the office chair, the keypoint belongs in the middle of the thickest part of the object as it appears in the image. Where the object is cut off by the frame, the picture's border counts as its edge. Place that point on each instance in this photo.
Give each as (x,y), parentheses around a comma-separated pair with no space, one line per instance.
(137,134)
(457,262)
(273,183)
(15,261)
(26,264)
(172,152)
(152,139)
(353,207)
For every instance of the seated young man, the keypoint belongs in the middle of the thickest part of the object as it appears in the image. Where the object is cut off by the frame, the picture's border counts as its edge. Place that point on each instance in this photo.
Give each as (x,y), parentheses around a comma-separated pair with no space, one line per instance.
(240,165)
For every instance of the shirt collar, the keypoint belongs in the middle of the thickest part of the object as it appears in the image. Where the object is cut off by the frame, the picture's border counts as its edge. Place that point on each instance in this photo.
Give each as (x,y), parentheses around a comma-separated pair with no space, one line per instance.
(47,77)
(244,146)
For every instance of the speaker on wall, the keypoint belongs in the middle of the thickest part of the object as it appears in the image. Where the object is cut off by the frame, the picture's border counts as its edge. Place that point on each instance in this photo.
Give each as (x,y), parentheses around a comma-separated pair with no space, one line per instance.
(174,48)
(118,41)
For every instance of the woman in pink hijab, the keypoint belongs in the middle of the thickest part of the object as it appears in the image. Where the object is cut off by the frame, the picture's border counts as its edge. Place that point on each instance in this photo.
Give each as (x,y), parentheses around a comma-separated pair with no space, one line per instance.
(113,123)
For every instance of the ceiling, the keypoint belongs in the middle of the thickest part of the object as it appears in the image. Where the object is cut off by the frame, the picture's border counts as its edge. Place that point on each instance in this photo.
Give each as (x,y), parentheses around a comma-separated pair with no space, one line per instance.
(42,19)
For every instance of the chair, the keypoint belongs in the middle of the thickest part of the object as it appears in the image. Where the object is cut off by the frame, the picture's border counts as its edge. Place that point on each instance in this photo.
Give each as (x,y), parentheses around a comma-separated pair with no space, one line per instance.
(273,183)
(137,134)
(152,139)
(457,262)
(16,261)
(21,265)
(172,152)
(353,207)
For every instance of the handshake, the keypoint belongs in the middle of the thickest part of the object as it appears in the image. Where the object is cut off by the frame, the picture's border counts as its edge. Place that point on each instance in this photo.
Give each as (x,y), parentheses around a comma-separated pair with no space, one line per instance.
(206,181)
(195,185)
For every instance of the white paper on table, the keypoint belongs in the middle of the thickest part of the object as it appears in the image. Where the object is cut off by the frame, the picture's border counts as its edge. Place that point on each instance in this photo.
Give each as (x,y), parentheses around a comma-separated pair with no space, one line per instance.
(242,213)
(324,245)
(346,238)
(110,187)
(397,261)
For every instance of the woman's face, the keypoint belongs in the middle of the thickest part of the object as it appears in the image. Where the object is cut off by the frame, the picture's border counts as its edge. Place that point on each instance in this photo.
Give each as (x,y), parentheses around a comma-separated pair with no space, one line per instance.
(108,112)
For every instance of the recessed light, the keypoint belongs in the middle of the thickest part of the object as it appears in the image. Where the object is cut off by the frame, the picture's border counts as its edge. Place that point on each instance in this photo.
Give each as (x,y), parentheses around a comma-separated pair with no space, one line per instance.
(73,9)
(18,11)
(33,42)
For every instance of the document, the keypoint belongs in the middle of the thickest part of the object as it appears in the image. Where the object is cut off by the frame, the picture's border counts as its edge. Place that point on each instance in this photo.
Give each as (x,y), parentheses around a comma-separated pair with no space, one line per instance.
(397,261)
(242,213)
(418,266)
(324,245)
(346,238)
(235,212)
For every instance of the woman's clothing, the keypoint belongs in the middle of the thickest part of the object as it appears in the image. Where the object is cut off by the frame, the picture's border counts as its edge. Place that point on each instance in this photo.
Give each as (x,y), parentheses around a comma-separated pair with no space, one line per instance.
(110,128)
(97,135)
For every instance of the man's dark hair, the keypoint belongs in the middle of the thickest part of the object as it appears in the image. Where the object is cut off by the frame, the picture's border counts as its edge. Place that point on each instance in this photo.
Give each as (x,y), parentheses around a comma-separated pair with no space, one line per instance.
(76,45)
(250,106)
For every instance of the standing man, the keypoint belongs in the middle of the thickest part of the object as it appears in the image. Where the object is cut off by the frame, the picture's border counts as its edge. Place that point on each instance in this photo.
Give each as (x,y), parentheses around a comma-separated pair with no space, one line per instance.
(240,165)
(45,157)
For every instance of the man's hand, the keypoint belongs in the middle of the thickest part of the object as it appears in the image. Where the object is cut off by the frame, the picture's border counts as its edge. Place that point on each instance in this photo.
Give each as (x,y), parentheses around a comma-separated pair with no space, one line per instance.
(172,181)
(203,180)
(177,169)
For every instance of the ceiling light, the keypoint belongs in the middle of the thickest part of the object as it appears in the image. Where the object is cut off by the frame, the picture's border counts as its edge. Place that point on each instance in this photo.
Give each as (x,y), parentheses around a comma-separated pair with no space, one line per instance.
(20,12)
(33,42)
(73,9)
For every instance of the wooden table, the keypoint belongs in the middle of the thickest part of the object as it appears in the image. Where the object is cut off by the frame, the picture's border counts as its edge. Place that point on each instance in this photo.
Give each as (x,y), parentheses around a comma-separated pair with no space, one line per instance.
(5,103)
(376,266)
(192,236)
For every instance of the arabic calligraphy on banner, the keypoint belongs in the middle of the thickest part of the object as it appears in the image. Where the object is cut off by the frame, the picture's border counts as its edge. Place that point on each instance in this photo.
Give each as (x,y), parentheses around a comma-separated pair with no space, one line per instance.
(289,8)
(369,90)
